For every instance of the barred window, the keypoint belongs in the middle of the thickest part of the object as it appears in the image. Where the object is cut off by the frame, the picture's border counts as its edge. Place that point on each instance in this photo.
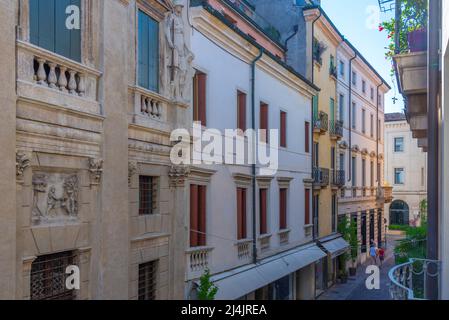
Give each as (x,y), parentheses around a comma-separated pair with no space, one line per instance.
(147,195)
(147,280)
(48,277)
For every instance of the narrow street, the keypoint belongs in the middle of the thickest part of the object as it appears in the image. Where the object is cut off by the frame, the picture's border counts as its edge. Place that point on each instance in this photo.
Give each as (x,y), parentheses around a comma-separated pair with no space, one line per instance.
(355,288)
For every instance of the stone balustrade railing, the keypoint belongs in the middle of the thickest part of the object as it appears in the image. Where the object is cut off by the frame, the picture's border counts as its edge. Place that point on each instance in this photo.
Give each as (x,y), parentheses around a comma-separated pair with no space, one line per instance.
(198,258)
(50,70)
(244,249)
(149,105)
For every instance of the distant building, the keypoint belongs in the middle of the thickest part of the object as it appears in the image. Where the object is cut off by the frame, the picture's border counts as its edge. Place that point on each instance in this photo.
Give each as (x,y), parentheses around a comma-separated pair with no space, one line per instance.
(405,170)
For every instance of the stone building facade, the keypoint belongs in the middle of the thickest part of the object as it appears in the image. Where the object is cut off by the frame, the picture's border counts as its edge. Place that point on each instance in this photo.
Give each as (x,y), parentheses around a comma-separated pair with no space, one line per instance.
(93,183)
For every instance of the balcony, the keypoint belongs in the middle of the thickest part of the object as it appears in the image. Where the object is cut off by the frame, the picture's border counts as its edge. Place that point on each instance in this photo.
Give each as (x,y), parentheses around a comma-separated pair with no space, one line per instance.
(338,178)
(409,280)
(336,129)
(321,177)
(333,72)
(321,122)
(197,261)
(385,194)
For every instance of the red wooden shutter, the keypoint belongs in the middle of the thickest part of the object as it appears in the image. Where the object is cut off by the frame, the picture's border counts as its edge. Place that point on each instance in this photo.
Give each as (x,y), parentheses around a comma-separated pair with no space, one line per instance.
(244,228)
(241,111)
(307,137)
(264,122)
(307,207)
(241,213)
(283,129)
(202,215)
(199,98)
(263,211)
(283,209)
(193,215)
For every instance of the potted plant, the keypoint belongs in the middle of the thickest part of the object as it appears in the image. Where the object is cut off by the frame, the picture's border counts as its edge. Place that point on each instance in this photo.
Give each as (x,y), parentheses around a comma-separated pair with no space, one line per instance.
(412,28)
(343,276)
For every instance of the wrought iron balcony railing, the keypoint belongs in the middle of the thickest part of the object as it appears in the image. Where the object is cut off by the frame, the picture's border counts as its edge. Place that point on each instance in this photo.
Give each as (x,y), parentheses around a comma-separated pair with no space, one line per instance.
(336,128)
(321,122)
(409,280)
(333,72)
(338,178)
(321,176)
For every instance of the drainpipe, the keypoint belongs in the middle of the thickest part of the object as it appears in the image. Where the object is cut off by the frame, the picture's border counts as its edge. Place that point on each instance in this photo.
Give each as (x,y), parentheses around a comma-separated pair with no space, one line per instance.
(253,123)
(433,110)
(295,32)
(350,117)
(315,236)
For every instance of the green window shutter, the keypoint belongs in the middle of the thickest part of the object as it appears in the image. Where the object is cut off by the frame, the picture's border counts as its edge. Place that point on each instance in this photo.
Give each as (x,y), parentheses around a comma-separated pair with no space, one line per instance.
(315,107)
(148,60)
(332,109)
(48,27)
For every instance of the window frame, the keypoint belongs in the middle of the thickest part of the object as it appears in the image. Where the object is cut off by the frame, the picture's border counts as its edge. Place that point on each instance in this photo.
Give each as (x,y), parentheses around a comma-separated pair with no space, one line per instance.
(402,150)
(402,169)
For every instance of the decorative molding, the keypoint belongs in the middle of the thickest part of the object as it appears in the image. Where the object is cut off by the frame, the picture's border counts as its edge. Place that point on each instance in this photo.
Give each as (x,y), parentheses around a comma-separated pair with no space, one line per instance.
(284,182)
(178,175)
(355,148)
(242,180)
(264,181)
(343,145)
(373,154)
(23,161)
(96,170)
(201,175)
(132,169)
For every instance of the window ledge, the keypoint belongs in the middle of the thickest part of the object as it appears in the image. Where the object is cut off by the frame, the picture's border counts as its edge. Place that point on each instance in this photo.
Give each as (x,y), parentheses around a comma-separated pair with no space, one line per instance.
(265,236)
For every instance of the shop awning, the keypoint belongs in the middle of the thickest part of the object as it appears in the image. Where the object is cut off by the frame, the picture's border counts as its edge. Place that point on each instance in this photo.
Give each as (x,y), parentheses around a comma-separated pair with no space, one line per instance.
(236,283)
(336,247)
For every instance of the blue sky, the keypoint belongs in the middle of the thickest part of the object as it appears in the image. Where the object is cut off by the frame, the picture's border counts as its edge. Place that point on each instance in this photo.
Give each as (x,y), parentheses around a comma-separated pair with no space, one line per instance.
(353,18)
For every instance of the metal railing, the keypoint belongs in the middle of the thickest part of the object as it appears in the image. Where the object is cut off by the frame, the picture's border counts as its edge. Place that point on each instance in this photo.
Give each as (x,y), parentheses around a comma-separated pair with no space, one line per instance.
(321,121)
(409,280)
(321,176)
(336,128)
(338,178)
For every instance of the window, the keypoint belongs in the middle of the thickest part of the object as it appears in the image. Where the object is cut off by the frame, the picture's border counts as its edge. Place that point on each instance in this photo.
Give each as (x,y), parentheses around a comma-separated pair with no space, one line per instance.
(372,173)
(148,56)
(48,277)
(147,195)
(283,209)
(316,154)
(241,111)
(199,97)
(283,126)
(363,172)
(263,211)
(264,122)
(241,214)
(147,280)
(372,94)
(354,115)
(342,69)
(354,171)
(363,86)
(334,213)
(307,207)
(316,210)
(423,177)
(354,78)
(372,126)
(379,98)
(379,130)
(341,108)
(307,137)
(197,216)
(363,120)
(399,176)
(399,144)
(48,27)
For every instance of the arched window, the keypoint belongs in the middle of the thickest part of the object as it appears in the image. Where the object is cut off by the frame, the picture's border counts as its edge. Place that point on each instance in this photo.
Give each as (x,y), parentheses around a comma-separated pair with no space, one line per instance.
(399,213)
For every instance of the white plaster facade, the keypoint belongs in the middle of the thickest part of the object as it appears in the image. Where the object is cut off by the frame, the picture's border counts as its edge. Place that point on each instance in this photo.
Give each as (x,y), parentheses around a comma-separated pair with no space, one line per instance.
(414,162)
(360,105)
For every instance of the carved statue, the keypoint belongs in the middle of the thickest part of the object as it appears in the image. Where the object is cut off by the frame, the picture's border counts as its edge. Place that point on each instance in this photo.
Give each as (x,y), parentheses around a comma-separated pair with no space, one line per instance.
(22,162)
(96,170)
(179,55)
(52,200)
(70,195)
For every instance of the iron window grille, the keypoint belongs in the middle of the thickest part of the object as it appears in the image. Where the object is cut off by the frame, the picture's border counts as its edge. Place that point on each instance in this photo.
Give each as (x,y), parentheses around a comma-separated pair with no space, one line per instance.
(147,195)
(147,280)
(48,277)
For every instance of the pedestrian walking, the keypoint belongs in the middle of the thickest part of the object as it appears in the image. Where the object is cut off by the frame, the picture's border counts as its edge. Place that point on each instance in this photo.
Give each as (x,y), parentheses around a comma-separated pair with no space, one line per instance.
(381,253)
(373,253)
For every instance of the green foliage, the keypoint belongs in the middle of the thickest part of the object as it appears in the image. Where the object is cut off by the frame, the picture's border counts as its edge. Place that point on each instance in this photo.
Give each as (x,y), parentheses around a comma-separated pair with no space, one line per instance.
(207,290)
(414,245)
(399,227)
(414,17)
(348,229)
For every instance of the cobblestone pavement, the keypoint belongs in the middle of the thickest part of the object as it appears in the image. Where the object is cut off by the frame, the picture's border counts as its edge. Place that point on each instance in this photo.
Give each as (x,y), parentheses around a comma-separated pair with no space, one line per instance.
(355,288)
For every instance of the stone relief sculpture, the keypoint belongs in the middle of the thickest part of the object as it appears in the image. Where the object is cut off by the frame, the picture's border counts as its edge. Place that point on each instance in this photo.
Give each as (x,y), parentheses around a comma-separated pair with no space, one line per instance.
(22,162)
(55,198)
(96,170)
(179,58)
(132,169)
(178,174)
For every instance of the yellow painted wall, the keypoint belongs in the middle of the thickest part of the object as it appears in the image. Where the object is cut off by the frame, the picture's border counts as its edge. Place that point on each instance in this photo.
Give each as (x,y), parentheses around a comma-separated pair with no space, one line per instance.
(328,85)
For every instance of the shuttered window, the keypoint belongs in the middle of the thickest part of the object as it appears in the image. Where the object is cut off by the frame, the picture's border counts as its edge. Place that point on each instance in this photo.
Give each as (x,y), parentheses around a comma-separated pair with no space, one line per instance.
(48,28)
(283,129)
(264,122)
(148,55)
(307,207)
(199,97)
(307,137)
(197,216)
(263,210)
(283,209)
(241,111)
(241,214)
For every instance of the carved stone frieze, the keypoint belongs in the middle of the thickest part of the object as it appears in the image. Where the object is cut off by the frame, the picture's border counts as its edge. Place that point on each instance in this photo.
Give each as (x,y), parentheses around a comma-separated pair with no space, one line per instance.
(178,175)
(22,163)
(96,170)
